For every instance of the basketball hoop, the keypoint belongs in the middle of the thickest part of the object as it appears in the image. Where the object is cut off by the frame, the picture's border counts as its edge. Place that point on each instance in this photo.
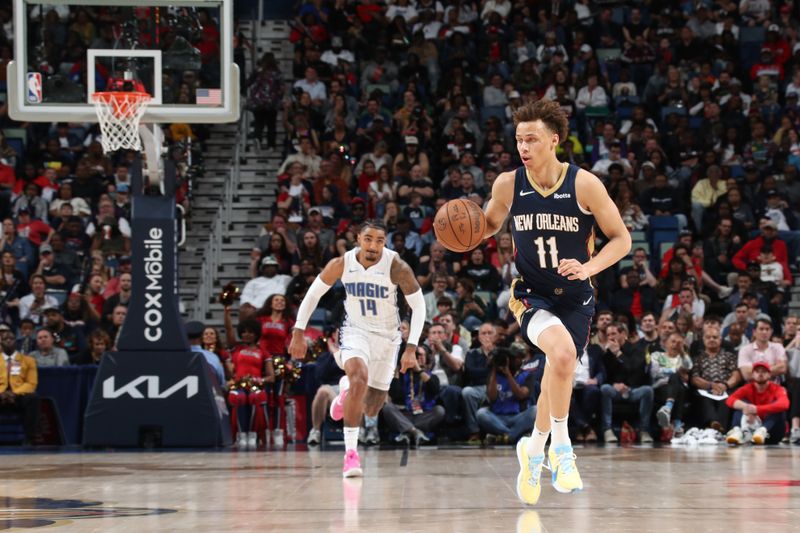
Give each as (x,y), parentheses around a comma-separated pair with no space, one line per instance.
(118,113)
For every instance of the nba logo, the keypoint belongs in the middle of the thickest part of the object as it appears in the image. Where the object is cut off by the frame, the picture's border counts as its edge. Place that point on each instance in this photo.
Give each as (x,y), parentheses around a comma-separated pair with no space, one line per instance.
(34,88)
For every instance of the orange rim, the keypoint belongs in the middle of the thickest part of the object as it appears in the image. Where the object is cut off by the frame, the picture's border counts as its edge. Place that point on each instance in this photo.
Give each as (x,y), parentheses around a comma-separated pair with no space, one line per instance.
(122,103)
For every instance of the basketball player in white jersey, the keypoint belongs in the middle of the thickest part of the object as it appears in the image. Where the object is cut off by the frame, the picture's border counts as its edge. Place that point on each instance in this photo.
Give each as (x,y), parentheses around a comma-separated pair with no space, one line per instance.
(369,338)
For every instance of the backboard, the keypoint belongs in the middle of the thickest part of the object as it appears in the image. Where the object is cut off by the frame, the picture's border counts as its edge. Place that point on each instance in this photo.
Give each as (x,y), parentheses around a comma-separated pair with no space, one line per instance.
(179,50)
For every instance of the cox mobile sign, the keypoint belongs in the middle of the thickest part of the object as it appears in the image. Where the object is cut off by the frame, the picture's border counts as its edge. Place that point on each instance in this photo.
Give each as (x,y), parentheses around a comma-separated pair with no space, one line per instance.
(154,390)
(153,320)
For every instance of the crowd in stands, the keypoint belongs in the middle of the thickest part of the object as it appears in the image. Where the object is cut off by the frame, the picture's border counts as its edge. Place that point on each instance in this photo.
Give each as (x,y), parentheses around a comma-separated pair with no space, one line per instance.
(65,206)
(688,111)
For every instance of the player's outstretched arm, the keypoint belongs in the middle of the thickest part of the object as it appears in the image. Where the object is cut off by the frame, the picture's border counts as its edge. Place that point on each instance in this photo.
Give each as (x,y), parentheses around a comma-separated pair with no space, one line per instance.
(323,282)
(499,203)
(404,277)
(592,196)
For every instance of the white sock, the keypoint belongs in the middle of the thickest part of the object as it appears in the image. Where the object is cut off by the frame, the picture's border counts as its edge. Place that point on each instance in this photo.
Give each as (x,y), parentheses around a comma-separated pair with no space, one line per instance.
(370,421)
(350,438)
(558,426)
(537,441)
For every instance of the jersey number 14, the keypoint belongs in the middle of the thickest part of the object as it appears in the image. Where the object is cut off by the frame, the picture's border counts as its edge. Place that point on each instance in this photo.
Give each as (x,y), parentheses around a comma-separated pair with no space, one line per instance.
(368,305)
(551,243)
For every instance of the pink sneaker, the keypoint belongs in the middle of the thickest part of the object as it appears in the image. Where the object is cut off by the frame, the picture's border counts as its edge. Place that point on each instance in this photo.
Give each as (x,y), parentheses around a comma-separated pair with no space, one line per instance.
(337,406)
(352,464)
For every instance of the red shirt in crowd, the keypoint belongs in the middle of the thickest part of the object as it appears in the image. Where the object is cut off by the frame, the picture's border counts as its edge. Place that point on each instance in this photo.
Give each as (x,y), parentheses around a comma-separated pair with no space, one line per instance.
(366,11)
(773,400)
(752,249)
(364,180)
(248,361)
(698,267)
(7,176)
(35,231)
(97,302)
(766,69)
(274,335)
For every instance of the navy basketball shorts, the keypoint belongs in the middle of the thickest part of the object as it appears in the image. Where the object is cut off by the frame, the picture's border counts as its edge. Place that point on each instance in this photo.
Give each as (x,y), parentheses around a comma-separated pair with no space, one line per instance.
(574,312)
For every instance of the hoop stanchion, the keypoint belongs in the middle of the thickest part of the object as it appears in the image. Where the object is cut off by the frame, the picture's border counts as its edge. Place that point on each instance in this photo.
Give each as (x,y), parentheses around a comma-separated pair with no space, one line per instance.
(119,114)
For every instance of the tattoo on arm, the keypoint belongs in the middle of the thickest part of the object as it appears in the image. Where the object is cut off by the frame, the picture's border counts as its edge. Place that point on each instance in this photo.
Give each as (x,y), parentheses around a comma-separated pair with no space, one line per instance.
(404,277)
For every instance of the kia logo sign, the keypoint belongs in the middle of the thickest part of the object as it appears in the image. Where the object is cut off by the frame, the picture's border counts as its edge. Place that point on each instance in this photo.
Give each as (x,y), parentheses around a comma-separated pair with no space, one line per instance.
(153,389)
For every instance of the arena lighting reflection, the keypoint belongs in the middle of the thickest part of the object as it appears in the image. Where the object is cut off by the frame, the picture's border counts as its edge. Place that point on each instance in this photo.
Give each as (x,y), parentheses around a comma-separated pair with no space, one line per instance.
(529,522)
(351,492)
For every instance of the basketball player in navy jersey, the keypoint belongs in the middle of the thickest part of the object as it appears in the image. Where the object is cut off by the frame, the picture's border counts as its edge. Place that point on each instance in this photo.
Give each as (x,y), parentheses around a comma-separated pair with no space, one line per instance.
(553,208)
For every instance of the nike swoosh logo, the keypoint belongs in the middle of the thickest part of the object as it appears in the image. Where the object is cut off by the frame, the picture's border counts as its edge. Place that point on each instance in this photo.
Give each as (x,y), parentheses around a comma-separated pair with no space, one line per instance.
(587,301)
(526,193)
(351,271)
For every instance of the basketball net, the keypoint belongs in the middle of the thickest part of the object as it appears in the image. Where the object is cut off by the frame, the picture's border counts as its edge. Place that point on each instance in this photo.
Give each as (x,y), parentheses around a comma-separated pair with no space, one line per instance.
(119,113)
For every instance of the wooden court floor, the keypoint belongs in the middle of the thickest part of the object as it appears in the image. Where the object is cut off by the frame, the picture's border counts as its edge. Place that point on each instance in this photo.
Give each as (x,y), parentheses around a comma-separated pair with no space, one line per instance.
(430,490)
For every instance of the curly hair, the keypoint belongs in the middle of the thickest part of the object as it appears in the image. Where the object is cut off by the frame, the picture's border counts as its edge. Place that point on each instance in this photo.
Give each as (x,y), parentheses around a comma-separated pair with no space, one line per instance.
(250,324)
(549,112)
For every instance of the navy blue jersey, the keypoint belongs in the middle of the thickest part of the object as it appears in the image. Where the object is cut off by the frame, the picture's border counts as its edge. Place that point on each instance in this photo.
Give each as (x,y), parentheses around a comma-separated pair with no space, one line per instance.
(548,226)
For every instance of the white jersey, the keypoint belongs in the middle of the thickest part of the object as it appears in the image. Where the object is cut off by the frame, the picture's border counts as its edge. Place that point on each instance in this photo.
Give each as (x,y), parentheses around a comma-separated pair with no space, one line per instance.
(371,302)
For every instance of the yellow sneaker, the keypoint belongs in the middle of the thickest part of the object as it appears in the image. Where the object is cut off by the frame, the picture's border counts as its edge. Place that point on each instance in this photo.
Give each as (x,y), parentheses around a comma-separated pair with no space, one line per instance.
(530,471)
(562,464)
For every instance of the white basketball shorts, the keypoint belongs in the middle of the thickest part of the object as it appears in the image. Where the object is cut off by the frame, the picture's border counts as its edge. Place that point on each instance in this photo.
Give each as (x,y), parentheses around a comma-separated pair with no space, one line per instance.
(378,352)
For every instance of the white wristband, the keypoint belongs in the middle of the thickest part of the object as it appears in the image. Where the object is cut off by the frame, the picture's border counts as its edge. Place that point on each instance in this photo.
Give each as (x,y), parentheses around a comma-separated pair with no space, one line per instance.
(417,303)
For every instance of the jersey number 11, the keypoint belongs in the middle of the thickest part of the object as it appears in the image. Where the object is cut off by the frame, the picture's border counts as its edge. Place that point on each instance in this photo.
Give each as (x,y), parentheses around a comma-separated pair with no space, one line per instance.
(551,243)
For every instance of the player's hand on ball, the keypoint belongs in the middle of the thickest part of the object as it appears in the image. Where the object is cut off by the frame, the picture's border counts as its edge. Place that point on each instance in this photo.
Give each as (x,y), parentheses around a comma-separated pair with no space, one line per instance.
(409,359)
(573,269)
(298,346)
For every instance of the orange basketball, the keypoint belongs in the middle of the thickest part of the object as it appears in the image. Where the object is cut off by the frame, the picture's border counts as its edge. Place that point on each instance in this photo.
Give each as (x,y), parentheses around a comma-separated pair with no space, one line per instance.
(459,225)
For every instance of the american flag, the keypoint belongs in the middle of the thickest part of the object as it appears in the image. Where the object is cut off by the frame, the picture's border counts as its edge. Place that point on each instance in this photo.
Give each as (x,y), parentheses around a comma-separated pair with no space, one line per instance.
(209,96)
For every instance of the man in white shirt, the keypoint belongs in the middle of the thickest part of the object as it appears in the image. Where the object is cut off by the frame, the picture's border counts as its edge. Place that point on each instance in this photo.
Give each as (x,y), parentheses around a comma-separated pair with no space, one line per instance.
(33,305)
(257,290)
(106,212)
(428,25)
(601,168)
(761,349)
(312,85)
(306,157)
(439,285)
(793,87)
(754,11)
(406,11)
(337,53)
(501,7)
(455,332)
(448,359)
(591,95)
(687,303)
(736,90)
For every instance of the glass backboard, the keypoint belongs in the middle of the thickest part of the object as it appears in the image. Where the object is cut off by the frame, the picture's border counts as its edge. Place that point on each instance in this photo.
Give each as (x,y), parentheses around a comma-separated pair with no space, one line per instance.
(180,51)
